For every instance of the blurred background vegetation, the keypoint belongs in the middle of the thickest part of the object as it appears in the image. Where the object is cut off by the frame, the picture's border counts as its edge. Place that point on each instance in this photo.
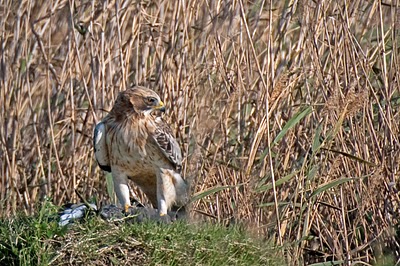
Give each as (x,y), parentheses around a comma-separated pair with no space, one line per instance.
(287,111)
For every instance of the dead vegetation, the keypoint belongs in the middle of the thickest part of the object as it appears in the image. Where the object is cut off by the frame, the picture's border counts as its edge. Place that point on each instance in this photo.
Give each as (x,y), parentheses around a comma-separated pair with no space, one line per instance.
(291,106)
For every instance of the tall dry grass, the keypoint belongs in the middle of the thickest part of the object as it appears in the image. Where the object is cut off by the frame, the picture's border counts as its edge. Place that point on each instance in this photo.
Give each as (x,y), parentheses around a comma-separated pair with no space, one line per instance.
(287,110)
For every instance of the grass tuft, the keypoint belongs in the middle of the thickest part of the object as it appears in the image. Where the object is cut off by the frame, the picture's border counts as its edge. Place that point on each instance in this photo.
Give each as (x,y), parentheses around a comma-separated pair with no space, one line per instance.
(37,240)
(24,240)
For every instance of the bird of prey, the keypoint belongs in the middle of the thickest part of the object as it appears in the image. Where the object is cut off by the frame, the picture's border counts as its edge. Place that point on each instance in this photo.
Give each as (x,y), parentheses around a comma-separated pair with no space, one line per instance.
(133,143)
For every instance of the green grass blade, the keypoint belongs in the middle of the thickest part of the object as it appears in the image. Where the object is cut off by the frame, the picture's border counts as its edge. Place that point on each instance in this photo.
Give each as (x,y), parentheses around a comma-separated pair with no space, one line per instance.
(110,187)
(312,173)
(330,185)
(330,263)
(278,182)
(211,191)
(353,157)
(336,127)
(291,123)
(269,204)
(316,142)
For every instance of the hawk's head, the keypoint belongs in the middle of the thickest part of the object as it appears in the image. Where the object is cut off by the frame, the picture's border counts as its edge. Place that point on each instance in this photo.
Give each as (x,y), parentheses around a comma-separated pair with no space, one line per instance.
(140,100)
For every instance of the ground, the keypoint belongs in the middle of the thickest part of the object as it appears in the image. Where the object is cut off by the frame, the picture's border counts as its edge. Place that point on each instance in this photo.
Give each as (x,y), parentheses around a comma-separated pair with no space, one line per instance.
(39,240)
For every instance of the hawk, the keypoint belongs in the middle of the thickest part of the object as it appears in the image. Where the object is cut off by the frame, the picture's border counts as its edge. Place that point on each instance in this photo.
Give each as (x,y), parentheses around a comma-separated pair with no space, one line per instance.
(133,143)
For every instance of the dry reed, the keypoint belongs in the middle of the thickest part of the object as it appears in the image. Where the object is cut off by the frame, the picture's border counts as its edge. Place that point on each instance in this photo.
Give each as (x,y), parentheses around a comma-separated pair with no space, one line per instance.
(291,106)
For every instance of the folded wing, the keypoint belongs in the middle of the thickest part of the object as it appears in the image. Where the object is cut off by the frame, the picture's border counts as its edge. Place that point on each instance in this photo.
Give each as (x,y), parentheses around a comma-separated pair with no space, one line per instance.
(165,140)
(100,147)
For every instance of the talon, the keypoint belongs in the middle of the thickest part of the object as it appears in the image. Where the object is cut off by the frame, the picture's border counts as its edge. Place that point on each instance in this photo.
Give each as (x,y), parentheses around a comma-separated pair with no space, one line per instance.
(163,214)
(126,208)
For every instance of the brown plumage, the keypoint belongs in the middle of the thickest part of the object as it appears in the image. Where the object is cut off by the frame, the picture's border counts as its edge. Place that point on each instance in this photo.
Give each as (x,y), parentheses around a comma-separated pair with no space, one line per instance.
(132,143)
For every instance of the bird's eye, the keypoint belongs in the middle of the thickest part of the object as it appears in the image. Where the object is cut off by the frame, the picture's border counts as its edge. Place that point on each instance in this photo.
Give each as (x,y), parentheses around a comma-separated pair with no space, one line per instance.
(151,100)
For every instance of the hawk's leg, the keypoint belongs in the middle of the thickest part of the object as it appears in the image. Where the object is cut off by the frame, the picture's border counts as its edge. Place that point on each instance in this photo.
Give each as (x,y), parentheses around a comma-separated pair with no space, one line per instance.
(121,188)
(166,193)
(162,204)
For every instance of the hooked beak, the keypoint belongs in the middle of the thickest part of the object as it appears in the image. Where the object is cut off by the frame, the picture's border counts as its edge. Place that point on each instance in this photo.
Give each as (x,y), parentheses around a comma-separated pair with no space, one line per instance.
(160,107)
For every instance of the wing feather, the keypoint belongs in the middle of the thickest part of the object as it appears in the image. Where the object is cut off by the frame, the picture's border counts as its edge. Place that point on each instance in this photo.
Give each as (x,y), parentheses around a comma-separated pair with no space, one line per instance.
(100,147)
(167,143)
